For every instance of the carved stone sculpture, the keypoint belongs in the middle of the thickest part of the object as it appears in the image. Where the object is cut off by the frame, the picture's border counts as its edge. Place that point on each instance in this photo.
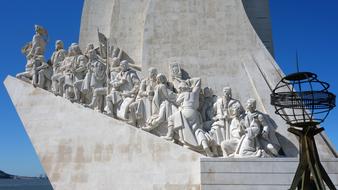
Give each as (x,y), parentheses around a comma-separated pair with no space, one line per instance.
(125,88)
(69,67)
(178,110)
(56,60)
(33,51)
(220,130)
(163,105)
(206,108)
(176,75)
(79,73)
(96,80)
(187,120)
(33,62)
(39,41)
(141,109)
(42,76)
(260,139)
(235,132)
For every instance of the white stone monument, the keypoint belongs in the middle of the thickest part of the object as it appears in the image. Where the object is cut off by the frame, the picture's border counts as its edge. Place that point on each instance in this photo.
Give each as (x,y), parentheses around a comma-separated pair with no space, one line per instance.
(212,41)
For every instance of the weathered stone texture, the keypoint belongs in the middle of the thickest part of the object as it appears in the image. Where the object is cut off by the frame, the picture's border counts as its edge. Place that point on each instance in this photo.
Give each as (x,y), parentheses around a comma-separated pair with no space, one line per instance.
(83,149)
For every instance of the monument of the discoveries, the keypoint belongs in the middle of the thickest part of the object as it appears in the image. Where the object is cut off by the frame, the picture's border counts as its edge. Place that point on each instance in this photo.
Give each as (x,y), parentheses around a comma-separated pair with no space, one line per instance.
(161,94)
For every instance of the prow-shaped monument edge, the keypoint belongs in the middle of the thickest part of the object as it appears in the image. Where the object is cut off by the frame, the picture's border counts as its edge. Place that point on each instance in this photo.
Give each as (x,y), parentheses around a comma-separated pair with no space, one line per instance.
(80,148)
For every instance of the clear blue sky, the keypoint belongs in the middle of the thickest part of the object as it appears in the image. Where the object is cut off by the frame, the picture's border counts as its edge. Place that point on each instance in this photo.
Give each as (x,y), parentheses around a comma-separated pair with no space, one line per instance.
(311,27)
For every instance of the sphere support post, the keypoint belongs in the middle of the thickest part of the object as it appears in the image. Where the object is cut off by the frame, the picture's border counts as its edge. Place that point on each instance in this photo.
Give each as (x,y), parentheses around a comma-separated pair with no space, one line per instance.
(309,162)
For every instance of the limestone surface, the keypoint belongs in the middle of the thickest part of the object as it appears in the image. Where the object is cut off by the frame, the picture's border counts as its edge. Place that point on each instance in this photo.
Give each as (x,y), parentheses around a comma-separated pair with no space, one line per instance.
(213,40)
(80,148)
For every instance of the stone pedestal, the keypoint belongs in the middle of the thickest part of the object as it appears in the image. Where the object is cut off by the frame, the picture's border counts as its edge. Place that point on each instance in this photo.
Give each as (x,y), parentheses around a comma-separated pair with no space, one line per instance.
(255,174)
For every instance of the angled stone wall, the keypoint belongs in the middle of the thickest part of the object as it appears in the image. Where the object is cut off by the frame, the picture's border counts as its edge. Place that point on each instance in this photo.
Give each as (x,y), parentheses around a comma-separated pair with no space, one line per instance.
(82,149)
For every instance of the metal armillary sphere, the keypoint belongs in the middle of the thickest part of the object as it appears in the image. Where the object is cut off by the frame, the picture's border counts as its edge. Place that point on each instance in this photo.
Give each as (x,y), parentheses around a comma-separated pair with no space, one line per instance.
(304,102)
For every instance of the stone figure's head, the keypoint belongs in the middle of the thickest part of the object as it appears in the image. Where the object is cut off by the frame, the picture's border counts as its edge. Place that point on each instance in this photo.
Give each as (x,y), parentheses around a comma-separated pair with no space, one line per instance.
(161,79)
(207,92)
(175,70)
(251,105)
(58,45)
(40,30)
(116,52)
(152,72)
(92,55)
(89,47)
(77,50)
(183,87)
(227,92)
(71,51)
(115,62)
(236,109)
(124,65)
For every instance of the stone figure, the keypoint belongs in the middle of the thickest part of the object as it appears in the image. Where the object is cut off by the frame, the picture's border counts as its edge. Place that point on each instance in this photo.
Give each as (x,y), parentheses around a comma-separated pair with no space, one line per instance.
(56,60)
(260,139)
(34,52)
(39,41)
(114,64)
(177,110)
(90,46)
(187,120)
(124,90)
(42,76)
(236,131)
(206,108)
(30,72)
(96,80)
(220,130)
(141,109)
(176,75)
(163,104)
(79,73)
(68,69)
